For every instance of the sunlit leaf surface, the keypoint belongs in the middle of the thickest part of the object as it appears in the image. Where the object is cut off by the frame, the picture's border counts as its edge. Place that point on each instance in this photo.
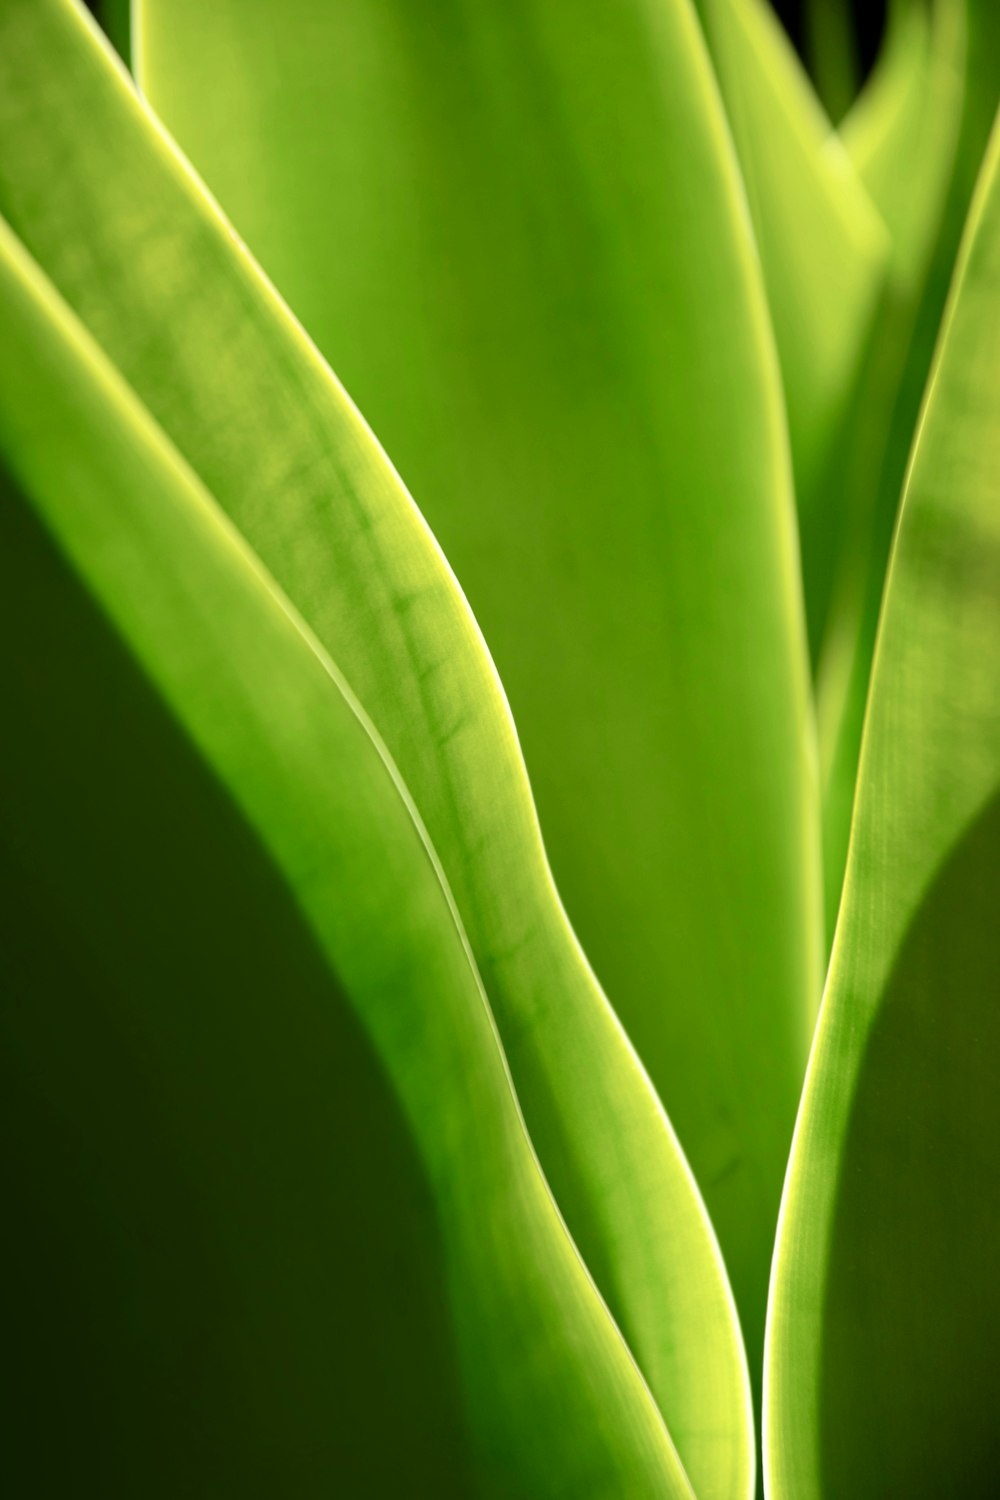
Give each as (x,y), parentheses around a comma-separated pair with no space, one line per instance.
(134,246)
(519,236)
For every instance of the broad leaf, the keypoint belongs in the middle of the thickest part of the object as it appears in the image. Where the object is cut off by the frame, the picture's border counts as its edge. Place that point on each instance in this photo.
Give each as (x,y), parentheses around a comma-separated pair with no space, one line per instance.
(518,234)
(134,245)
(306,795)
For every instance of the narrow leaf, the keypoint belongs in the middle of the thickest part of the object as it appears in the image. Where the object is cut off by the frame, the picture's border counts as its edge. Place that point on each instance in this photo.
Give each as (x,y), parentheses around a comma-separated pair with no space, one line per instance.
(882,1370)
(954,94)
(824,252)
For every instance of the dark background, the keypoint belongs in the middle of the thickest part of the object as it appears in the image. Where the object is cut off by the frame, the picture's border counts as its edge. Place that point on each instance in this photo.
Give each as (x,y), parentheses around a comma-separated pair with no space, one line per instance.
(869,23)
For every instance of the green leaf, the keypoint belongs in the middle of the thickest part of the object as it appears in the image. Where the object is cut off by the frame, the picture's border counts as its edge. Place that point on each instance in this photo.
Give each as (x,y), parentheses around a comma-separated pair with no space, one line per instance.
(137,249)
(911,139)
(518,234)
(882,1371)
(901,135)
(556,1404)
(824,253)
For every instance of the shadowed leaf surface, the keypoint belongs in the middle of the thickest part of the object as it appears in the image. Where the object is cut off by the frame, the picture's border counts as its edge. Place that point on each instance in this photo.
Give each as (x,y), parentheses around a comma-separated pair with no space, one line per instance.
(905,137)
(222,1240)
(911,1363)
(158,278)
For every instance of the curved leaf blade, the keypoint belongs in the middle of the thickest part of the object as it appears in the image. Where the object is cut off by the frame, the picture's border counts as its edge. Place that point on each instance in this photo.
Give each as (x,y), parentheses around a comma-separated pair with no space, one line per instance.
(142,255)
(531,263)
(824,253)
(902,134)
(963,113)
(884,1316)
(832,53)
(556,1403)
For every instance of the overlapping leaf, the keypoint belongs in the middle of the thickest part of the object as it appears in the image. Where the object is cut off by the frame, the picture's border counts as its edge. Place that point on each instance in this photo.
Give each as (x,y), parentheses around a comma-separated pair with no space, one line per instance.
(853,230)
(518,234)
(901,135)
(882,1370)
(555,1402)
(947,71)
(142,257)
(824,252)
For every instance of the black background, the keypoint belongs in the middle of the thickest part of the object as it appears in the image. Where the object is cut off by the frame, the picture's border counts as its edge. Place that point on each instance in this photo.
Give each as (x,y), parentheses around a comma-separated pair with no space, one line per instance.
(869,22)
